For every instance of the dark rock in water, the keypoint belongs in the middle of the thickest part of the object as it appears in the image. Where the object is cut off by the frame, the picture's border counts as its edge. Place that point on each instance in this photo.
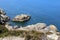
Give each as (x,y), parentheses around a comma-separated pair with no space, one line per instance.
(21,18)
(3,17)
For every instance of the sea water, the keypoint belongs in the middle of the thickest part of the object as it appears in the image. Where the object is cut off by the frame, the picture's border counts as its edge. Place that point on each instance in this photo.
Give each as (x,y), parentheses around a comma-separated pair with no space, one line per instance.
(41,11)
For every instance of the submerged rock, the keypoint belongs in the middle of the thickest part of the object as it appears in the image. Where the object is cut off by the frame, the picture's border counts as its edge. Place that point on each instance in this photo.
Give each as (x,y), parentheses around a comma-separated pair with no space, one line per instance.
(3,17)
(21,18)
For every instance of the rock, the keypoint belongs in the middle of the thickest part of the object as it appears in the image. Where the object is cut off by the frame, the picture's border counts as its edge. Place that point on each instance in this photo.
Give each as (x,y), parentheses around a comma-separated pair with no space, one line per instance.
(3,17)
(58,33)
(15,27)
(52,37)
(12,38)
(21,18)
(9,27)
(53,28)
(2,11)
(37,27)
(33,36)
(40,25)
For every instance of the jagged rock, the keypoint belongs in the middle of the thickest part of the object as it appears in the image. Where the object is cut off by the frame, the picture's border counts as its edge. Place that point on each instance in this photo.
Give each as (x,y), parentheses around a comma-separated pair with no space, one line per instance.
(21,18)
(3,17)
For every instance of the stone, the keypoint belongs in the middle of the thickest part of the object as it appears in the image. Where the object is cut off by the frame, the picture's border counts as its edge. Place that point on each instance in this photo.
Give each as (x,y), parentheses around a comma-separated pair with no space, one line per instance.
(2,11)
(53,28)
(21,18)
(37,27)
(52,37)
(15,27)
(9,27)
(40,25)
(12,38)
(3,17)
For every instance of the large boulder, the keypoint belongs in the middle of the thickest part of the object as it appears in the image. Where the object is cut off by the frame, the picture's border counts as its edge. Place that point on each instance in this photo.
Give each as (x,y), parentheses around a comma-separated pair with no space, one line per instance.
(3,17)
(21,18)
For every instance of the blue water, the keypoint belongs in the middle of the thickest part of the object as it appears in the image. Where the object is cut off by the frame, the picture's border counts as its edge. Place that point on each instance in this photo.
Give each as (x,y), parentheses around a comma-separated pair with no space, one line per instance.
(46,11)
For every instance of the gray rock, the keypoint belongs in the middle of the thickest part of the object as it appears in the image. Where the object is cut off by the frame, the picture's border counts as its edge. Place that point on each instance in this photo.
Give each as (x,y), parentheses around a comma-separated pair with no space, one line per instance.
(3,17)
(21,18)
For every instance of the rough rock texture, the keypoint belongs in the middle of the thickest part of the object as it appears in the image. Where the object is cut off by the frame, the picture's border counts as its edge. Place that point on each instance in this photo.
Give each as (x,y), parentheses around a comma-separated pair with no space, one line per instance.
(12,38)
(21,18)
(37,36)
(50,32)
(3,17)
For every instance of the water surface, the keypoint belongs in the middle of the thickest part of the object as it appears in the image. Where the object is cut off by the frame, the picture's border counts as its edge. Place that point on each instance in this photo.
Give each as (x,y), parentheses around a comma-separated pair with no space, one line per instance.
(46,11)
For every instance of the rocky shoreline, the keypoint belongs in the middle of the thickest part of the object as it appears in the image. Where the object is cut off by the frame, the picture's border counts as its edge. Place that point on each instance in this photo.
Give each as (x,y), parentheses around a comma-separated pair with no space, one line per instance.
(3,17)
(49,32)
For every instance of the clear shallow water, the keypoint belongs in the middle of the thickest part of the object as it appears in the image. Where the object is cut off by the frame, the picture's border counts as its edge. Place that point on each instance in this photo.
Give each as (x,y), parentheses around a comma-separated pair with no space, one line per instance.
(46,11)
